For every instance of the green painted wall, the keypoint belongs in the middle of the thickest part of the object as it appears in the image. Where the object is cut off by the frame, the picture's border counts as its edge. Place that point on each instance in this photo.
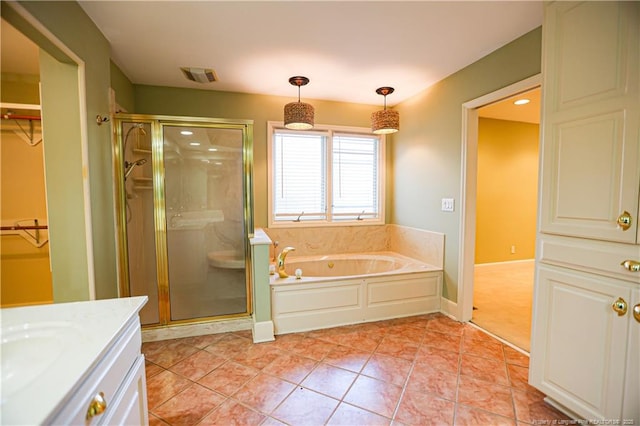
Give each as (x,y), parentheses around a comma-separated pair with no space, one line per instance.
(124,90)
(262,289)
(68,23)
(259,108)
(427,152)
(63,179)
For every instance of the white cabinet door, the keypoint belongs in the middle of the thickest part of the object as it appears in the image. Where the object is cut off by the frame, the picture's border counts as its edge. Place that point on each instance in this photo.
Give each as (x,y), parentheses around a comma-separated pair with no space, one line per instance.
(631,407)
(579,344)
(130,405)
(591,113)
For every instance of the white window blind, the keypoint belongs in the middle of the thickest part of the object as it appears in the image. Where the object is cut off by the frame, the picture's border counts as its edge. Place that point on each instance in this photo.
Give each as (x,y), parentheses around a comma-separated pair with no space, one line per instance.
(299,177)
(355,177)
(325,176)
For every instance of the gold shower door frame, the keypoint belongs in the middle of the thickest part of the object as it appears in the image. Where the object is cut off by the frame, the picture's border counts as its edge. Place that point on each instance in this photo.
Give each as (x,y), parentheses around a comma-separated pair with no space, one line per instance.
(157,123)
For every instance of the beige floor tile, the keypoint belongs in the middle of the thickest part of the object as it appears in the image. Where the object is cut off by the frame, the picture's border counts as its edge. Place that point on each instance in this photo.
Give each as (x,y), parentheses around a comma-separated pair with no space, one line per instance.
(422,370)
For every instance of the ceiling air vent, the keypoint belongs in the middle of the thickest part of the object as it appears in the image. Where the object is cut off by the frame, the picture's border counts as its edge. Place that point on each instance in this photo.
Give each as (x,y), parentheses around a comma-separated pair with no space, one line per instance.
(200,75)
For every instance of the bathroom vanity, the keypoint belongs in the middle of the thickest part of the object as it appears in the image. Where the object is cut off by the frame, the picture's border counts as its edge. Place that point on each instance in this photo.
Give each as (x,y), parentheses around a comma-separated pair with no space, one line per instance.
(73,363)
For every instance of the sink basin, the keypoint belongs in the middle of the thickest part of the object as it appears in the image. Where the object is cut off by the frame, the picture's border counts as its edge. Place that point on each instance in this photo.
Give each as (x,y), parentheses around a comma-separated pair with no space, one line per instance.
(28,350)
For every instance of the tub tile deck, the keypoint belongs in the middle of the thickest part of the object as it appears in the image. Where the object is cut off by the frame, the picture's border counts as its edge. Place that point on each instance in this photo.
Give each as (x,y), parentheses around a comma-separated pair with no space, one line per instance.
(419,370)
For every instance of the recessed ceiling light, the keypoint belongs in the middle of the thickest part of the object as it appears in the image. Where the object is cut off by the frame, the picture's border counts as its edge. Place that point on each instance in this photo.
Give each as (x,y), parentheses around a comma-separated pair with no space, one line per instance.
(194,143)
(186,132)
(522,102)
(218,163)
(213,149)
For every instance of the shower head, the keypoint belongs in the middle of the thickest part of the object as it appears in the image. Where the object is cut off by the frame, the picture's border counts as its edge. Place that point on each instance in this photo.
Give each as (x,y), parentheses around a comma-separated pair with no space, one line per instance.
(128,167)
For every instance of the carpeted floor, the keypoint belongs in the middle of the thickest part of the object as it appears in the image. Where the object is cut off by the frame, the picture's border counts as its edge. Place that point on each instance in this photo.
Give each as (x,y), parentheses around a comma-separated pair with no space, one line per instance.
(502,294)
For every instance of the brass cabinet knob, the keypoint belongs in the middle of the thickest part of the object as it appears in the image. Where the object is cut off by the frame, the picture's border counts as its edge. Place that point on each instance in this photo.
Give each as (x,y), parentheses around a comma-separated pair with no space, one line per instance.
(636,312)
(97,406)
(620,306)
(624,220)
(631,265)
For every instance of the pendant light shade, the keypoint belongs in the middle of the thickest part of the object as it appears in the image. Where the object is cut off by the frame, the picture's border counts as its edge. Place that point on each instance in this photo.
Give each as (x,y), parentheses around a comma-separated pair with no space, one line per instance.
(298,115)
(385,121)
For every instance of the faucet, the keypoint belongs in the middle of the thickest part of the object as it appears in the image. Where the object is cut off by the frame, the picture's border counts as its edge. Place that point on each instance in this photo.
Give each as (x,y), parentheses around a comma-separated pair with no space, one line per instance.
(281,257)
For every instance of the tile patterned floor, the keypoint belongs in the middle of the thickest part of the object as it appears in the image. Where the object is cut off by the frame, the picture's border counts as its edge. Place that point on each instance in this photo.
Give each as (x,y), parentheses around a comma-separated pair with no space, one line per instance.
(422,370)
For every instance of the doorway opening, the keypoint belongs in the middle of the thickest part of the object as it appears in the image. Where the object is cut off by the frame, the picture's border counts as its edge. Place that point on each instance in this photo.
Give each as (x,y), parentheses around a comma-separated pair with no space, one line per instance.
(24,258)
(60,92)
(500,186)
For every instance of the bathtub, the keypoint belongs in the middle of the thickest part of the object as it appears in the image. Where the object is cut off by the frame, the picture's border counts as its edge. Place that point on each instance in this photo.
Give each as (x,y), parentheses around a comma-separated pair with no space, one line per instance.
(344,289)
(353,265)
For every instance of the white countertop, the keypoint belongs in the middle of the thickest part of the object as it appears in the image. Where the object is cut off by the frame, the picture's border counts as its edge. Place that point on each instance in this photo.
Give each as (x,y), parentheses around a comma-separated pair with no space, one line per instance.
(59,343)
(260,237)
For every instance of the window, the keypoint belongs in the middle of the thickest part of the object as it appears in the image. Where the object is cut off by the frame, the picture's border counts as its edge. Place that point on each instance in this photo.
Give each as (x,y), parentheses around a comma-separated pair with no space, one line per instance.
(330,175)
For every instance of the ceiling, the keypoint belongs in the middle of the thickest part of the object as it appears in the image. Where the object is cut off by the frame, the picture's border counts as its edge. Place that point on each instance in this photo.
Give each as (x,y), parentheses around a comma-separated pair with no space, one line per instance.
(121,21)
(346,49)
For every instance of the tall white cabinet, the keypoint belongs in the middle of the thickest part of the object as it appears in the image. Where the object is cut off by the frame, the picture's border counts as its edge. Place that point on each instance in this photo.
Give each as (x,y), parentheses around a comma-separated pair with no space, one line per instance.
(585,351)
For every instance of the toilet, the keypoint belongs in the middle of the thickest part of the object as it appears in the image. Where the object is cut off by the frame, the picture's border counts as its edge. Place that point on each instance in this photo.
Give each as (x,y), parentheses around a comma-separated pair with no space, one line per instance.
(226,259)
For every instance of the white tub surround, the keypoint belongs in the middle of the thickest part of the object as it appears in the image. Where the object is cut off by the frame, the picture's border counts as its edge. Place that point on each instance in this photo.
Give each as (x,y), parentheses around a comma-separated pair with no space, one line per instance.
(411,286)
(407,287)
(57,358)
(263,330)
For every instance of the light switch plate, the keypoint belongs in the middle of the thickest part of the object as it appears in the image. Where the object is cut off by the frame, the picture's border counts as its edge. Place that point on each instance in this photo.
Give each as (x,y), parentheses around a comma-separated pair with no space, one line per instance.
(447,204)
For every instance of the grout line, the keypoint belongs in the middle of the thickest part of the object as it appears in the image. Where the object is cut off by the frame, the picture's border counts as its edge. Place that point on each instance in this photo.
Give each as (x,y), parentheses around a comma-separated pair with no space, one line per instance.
(459,373)
(510,384)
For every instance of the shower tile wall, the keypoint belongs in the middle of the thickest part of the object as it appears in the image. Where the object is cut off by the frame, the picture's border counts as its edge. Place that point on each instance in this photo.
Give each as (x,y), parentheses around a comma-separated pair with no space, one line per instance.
(139,218)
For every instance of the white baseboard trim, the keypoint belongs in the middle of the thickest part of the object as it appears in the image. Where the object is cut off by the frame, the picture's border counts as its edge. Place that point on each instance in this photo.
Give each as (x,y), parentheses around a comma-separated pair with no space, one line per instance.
(479,265)
(449,308)
(263,331)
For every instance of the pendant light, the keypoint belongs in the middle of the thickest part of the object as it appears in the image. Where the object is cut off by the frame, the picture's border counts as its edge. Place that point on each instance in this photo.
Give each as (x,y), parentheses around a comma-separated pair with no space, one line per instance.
(385,121)
(298,115)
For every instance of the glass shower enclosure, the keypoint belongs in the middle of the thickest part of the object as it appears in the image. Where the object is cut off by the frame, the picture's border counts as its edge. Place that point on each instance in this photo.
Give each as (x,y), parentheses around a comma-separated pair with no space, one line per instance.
(184,203)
